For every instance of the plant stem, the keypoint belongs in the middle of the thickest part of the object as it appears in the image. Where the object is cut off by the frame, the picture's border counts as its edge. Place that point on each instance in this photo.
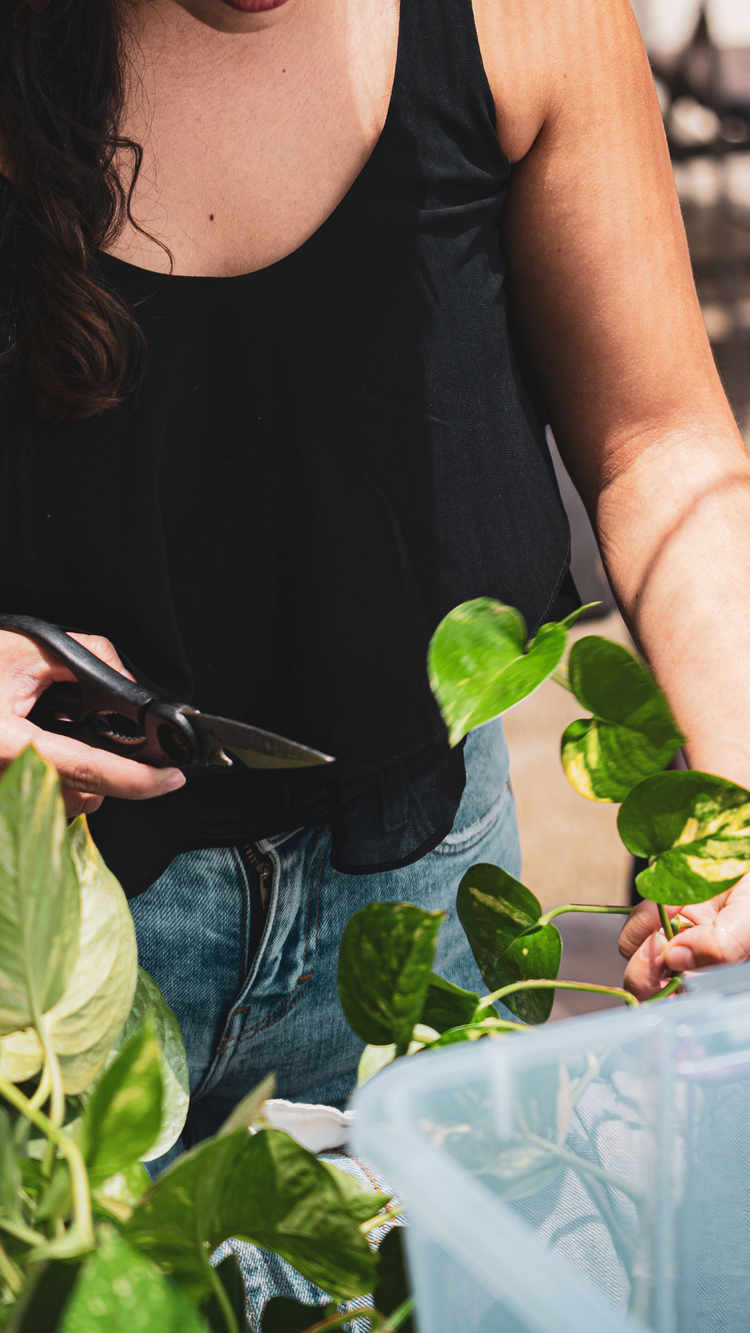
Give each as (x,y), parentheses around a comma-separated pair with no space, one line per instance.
(21,1232)
(670,989)
(57,1099)
(666,924)
(222,1297)
(580,907)
(380,1219)
(43,1090)
(489,1025)
(399,1316)
(544,984)
(9,1273)
(79,1179)
(588,1168)
(560,675)
(336,1320)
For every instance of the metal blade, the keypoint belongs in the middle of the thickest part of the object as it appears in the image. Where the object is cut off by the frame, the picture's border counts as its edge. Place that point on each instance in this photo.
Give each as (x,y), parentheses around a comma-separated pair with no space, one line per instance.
(253,747)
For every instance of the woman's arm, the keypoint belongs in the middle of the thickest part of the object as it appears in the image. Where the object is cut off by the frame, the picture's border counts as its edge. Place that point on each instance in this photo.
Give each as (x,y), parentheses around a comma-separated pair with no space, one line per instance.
(602,293)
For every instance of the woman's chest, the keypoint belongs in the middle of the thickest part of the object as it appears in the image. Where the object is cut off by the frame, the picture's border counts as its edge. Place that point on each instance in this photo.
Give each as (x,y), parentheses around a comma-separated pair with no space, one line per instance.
(250,143)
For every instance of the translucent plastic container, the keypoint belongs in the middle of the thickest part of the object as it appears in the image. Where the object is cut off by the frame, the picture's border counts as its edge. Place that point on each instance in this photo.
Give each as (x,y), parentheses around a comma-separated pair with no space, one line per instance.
(588,1177)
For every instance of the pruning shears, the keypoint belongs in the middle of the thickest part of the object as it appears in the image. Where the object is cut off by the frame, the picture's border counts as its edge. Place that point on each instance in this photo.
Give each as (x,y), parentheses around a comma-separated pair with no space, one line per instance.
(105,709)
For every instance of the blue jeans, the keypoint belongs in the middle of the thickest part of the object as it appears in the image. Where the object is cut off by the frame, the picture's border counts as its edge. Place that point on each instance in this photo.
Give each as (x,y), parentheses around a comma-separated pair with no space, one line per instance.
(248,1007)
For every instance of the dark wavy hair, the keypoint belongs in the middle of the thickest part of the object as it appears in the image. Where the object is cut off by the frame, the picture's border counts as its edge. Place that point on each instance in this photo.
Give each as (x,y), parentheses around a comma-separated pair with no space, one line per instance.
(62,87)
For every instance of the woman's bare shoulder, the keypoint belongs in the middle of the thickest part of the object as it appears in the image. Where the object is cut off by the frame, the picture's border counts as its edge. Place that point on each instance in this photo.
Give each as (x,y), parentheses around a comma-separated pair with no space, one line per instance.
(539,54)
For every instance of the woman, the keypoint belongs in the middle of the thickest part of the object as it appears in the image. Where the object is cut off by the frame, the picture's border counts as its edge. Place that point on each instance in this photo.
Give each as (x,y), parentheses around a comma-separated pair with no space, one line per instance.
(264,423)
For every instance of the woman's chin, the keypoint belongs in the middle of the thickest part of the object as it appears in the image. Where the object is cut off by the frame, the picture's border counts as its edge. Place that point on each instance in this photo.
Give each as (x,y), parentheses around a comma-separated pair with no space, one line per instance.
(235,15)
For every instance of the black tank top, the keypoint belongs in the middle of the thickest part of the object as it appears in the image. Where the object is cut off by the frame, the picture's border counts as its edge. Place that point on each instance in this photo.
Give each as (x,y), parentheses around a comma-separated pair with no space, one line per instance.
(325,457)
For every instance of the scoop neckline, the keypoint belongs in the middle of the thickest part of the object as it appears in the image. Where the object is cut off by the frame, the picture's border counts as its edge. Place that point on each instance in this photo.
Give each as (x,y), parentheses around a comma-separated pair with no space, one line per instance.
(309,240)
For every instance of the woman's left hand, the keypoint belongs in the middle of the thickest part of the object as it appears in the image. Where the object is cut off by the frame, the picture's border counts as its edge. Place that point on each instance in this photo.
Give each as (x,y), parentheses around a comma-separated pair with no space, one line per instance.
(719,933)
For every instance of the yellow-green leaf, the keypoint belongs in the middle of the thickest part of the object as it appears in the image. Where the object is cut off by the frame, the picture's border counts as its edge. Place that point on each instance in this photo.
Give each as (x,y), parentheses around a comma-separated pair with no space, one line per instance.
(88,1018)
(695,830)
(632,733)
(38,893)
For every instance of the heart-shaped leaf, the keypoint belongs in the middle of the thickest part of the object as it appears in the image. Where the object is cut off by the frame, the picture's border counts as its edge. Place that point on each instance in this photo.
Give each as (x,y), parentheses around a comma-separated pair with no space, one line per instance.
(263,1188)
(123,1117)
(88,1018)
(38,893)
(632,733)
(499,915)
(480,665)
(150,1009)
(448,1006)
(120,1290)
(385,962)
(695,830)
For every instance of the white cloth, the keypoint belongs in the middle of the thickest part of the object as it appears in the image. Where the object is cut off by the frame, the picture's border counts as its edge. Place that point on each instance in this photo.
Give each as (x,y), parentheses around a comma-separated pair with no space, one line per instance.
(317,1128)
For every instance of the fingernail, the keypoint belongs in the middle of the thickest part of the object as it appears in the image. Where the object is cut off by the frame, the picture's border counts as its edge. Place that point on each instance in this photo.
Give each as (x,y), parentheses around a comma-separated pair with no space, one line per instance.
(679,959)
(176,779)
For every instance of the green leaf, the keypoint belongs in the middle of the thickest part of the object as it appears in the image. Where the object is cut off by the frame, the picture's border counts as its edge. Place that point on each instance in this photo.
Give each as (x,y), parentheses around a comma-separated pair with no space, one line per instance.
(448,1006)
(123,1116)
(480,665)
(151,1009)
(43,1299)
(375,1058)
(542,1107)
(230,1276)
(284,1315)
(120,1290)
(519,1169)
(632,733)
(122,1191)
(38,893)
(386,954)
(10,1173)
(694,828)
(393,1285)
(531,957)
(363,1203)
(89,1016)
(263,1188)
(247,1112)
(499,915)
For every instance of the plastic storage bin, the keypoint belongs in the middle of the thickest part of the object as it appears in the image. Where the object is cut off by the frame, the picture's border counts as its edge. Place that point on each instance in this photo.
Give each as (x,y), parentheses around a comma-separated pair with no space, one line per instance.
(588,1177)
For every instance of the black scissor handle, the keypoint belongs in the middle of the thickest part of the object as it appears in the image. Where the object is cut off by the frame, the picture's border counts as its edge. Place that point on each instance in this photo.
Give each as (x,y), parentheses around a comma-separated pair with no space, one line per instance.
(105,709)
(84,665)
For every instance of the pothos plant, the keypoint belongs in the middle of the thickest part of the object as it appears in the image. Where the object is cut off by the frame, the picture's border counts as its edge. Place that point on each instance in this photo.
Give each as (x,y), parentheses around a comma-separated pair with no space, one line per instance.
(93,1081)
(693,828)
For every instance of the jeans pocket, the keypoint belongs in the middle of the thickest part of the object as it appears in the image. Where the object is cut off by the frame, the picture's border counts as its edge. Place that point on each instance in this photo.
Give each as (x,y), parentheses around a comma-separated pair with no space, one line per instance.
(463,839)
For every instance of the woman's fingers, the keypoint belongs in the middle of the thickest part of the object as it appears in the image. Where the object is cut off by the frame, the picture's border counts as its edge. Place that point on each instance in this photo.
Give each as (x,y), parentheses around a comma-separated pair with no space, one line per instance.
(89,771)
(87,774)
(722,935)
(103,649)
(644,972)
(642,922)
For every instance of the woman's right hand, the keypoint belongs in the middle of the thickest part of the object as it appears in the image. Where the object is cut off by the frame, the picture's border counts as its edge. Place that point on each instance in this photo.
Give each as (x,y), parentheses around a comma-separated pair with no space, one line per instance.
(87,774)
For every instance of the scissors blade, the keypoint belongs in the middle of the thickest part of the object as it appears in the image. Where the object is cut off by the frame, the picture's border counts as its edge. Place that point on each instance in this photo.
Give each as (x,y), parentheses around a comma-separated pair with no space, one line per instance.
(252,746)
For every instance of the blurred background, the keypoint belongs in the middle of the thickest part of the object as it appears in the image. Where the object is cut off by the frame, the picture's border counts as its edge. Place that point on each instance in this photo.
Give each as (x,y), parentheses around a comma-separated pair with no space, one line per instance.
(700,56)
